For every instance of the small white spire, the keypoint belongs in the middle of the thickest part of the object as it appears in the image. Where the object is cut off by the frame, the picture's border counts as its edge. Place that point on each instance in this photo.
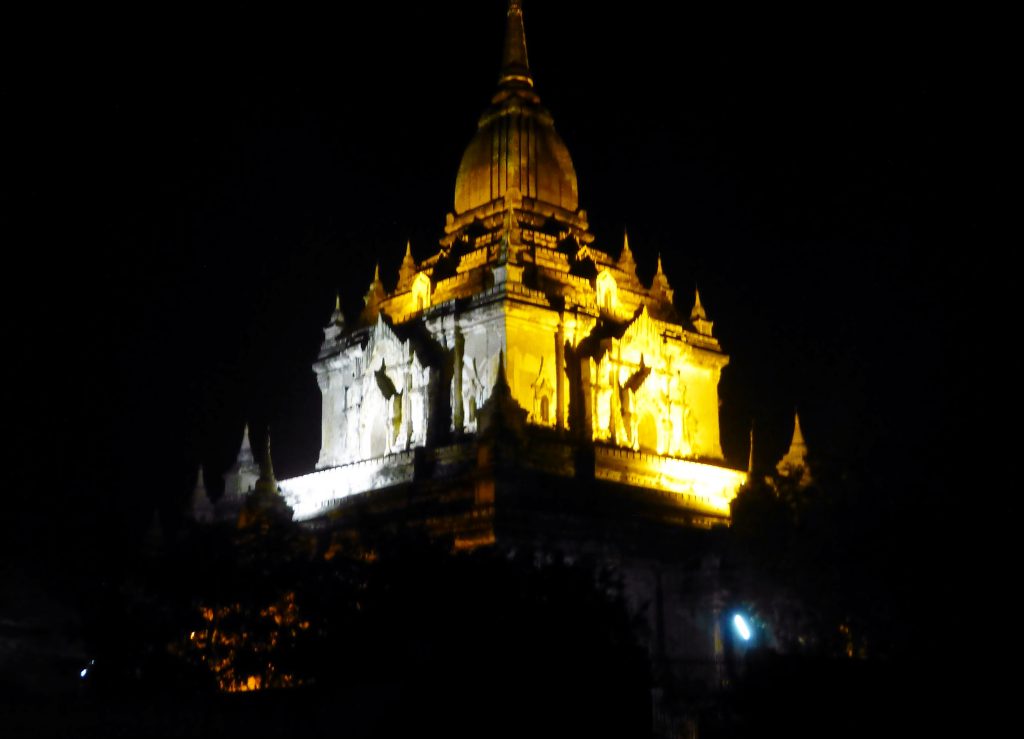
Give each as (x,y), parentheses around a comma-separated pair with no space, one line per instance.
(794,463)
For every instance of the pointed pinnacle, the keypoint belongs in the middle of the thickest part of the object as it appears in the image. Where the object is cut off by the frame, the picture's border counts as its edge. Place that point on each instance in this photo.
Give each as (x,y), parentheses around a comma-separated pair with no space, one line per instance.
(515,67)
(501,379)
(626,261)
(376,272)
(698,309)
(408,248)
(337,302)
(266,465)
(798,435)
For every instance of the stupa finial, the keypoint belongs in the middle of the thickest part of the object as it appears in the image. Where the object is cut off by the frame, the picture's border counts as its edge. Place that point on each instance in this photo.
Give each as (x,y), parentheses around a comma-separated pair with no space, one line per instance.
(515,67)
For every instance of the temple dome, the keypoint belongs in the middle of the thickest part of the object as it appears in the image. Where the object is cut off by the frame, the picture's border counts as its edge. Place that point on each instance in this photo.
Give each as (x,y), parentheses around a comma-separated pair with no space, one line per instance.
(516,145)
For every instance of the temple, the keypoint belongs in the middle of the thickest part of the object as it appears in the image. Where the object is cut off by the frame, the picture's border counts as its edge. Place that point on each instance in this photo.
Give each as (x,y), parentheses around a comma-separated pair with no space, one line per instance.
(521,386)
(519,284)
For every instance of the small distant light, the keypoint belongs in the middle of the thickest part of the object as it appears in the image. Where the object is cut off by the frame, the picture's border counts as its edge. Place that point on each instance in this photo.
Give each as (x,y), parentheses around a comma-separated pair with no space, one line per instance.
(741,627)
(83,673)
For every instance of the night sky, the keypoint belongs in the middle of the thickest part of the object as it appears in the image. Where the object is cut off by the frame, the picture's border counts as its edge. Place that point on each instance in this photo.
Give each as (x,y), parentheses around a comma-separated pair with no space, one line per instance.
(187,192)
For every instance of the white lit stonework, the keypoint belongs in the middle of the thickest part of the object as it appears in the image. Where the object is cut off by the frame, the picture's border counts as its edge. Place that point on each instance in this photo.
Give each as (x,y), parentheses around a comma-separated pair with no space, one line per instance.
(591,354)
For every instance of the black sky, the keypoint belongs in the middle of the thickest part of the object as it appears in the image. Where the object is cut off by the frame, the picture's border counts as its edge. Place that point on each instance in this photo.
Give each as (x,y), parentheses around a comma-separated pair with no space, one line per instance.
(188,190)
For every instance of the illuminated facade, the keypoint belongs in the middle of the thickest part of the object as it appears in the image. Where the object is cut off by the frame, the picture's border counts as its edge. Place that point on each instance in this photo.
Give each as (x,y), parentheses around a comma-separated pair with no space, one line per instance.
(592,355)
(522,387)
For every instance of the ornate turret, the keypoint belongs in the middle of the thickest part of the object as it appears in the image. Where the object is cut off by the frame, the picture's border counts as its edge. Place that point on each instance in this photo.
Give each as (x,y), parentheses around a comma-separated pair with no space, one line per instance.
(794,464)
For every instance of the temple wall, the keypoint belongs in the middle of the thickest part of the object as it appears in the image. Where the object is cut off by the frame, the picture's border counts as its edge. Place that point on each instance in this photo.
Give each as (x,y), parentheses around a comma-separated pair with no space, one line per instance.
(531,370)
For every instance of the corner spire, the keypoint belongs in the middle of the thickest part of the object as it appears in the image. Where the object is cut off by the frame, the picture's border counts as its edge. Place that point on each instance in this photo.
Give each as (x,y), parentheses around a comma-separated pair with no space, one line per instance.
(267,481)
(515,67)
(626,261)
(266,505)
(698,317)
(375,295)
(660,287)
(337,325)
(698,309)
(501,413)
(407,270)
(245,451)
(794,464)
(241,477)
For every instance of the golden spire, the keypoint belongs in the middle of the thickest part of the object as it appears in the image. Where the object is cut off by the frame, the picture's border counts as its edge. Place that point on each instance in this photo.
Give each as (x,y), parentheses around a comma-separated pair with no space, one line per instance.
(407,270)
(515,67)
(373,298)
(798,435)
(698,309)
(516,144)
(626,262)
(698,317)
(660,287)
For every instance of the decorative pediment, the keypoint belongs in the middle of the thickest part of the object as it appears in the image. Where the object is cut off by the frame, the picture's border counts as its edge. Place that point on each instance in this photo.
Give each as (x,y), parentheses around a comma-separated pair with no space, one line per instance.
(643,330)
(383,337)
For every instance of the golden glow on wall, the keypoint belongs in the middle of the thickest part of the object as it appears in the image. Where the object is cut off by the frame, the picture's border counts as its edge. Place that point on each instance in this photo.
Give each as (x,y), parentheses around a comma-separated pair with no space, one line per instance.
(703,487)
(588,350)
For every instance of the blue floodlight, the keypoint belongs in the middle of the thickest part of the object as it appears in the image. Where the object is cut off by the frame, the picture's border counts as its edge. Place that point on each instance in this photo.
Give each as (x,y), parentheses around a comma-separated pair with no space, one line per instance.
(83,673)
(740,624)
